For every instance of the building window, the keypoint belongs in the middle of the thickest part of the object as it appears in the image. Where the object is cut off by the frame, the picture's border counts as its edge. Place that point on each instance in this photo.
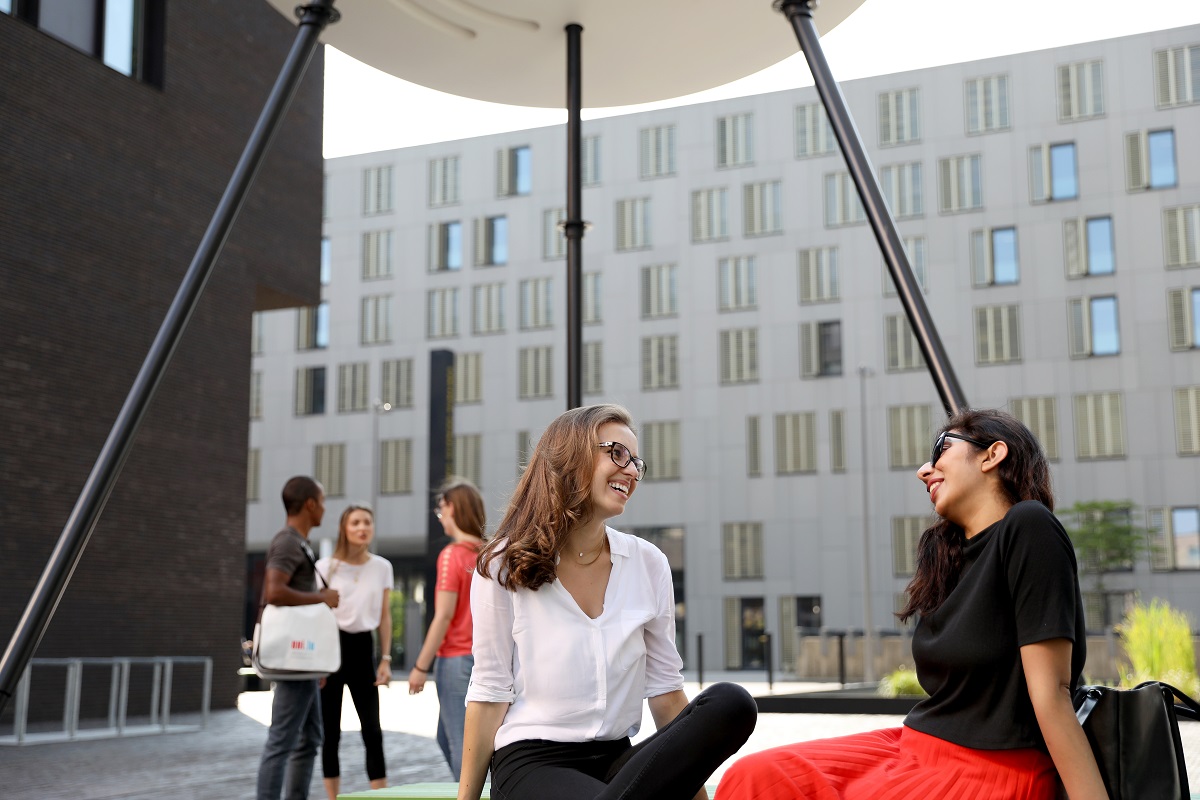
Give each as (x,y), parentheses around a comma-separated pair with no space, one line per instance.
(1187,421)
(1177,76)
(633,223)
(377,190)
(909,436)
(818,279)
(1080,90)
(914,248)
(593,367)
(1093,326)
(739,356)
(327,261)
(1053,174)
(468,457)
(902,189)
(735,140)
(997,334)
(1088,246)
(1099,426)
(660,443)
(592,298)
(468,378)
(487,308)
(837,440)
(795,443)
(660,362)
(1040,415)
(443,181)
(737,283)
(125,35)
(762,208)
(536,303)
(491,241)
(256,403)
(310,391)
(536,375)
(659,296)
(1174,538)
(257,337)
(396,382)
(312,327)
(445,246)
(441,313)
(590,160)
(994,257)
(899,117)
(353,387)
(710,215)
(656,152)
(745,624)
(395,466)
(960,184)
(376,254)
(1181,230)
(820,349)
(906,534)
(1183,318)
(253,475)
(329,468)
(842,206)
(376,320)
(554,241)
(987,104)
(753,446)
(1150,160)
(814,134)
(742,548)
(514,171)
(903,350)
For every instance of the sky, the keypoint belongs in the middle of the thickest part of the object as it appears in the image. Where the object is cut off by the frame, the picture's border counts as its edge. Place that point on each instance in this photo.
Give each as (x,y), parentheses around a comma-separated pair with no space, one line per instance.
(367,110)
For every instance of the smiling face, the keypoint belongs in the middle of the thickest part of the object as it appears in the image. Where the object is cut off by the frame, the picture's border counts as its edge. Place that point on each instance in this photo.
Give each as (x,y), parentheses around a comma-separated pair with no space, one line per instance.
(360,528)
(612,486)
(957,477)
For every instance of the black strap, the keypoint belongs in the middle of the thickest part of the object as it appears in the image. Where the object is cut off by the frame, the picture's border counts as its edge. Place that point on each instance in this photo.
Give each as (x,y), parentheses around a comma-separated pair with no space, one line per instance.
(304,545)
(1185,706)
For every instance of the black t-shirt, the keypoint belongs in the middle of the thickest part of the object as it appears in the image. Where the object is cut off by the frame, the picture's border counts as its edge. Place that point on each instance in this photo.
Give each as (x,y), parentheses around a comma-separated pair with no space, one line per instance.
(289,553)
(1018,586)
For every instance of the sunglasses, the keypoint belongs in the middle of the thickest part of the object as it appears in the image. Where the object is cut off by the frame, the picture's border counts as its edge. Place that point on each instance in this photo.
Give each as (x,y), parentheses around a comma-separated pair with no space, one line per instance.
(621,456)
(939,445)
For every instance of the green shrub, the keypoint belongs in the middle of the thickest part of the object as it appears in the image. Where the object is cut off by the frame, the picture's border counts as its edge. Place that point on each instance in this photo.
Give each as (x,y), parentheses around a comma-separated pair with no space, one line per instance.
(901,683)
(1158,641)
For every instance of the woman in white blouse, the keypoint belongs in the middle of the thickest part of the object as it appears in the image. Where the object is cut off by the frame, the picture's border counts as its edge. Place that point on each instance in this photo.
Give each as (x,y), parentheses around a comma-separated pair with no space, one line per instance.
(574,625)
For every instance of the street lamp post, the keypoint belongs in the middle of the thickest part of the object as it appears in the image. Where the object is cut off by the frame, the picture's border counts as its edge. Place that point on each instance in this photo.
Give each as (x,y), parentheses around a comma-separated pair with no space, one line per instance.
(868,644)
(378,409)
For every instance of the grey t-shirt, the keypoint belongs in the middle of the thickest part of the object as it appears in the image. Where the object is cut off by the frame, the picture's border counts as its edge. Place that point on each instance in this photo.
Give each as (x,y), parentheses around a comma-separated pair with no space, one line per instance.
(289,553)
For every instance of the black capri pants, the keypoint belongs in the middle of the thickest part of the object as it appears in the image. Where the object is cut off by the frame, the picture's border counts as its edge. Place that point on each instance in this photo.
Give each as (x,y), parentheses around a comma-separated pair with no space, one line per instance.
(358,673)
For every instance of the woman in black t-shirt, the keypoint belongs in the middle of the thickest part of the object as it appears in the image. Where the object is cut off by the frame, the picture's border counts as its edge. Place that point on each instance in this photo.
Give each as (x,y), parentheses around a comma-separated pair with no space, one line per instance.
(999,646)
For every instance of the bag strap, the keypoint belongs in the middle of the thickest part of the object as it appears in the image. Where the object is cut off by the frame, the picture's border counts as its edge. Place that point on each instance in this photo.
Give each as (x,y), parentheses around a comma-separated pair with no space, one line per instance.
(1185,705)
(262,603)
(1091,696)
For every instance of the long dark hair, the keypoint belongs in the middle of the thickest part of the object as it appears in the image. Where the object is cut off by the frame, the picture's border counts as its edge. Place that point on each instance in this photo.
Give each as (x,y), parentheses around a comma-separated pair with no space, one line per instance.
(1024,475)
(552,497)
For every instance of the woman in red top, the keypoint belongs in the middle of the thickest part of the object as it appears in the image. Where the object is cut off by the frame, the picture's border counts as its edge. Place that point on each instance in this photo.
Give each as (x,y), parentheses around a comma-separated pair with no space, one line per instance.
(460,509)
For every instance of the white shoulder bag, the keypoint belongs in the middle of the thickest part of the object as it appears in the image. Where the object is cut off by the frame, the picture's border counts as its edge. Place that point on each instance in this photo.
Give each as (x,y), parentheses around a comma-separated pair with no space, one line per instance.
(297,643)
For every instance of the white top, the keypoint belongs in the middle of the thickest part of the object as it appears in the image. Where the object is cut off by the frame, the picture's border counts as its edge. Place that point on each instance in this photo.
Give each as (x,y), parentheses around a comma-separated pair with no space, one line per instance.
(568,677)
(360,591)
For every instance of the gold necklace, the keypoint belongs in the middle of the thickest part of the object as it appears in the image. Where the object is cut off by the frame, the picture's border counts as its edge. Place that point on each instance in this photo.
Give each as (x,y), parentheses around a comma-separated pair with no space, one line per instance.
(595,558)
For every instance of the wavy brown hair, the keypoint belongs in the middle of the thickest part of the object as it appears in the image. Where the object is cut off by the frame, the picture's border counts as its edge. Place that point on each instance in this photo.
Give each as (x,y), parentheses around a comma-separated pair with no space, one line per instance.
(552,497)
(469,515)
(1024,475)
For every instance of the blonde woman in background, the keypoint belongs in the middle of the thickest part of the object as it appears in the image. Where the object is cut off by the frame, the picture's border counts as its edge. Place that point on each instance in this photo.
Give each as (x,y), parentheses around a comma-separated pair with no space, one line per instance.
(459,507)
(364,582)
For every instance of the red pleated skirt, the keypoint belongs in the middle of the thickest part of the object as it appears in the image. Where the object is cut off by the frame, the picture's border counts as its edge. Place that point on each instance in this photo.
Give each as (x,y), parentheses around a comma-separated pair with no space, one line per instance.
(891,764)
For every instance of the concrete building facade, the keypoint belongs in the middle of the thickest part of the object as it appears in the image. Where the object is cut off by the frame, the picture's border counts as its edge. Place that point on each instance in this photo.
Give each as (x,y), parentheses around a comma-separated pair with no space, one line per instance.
(736,302)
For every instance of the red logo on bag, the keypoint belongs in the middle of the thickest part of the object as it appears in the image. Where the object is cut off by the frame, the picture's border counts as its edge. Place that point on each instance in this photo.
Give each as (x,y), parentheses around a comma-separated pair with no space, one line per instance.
(300,644)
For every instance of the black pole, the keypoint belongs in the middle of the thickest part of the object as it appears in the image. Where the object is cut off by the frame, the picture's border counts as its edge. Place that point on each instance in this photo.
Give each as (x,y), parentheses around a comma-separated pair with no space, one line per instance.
(799,13)
(770,662)
(700,659)
(86,513)
(573,224)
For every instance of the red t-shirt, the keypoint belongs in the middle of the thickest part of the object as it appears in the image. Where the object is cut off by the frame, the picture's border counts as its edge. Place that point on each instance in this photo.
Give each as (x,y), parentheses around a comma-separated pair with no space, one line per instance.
(456,564)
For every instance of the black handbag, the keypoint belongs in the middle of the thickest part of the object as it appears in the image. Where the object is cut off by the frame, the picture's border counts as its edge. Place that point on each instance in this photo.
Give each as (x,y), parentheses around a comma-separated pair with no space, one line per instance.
(1134,734)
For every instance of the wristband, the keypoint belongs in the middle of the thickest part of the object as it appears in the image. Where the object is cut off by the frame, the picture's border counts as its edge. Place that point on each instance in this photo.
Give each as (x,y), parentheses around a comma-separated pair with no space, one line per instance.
(385,658)
(418,669)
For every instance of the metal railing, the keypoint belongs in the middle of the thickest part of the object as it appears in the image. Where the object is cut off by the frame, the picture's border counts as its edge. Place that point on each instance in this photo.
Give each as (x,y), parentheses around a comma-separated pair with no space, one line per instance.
(118,722)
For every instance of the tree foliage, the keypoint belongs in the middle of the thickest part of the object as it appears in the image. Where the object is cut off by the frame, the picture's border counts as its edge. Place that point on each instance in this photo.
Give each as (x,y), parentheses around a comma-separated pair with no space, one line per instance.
(1104,536)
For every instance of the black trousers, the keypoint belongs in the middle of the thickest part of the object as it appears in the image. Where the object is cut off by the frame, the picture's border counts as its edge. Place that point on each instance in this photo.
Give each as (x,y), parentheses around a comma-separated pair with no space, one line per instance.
(673,764)
(358,673)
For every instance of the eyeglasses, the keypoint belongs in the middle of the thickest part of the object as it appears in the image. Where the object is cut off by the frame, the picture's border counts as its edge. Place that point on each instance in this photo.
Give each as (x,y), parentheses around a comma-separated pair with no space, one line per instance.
(623,458)
(940,444)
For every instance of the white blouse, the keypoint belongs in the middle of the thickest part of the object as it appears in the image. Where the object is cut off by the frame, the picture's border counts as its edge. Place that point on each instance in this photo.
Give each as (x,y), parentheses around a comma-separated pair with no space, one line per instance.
(360,590)
(568,677)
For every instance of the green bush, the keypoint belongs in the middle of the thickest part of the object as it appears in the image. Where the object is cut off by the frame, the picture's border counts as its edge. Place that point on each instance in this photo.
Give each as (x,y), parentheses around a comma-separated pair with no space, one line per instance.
(1158,641)
(901,683)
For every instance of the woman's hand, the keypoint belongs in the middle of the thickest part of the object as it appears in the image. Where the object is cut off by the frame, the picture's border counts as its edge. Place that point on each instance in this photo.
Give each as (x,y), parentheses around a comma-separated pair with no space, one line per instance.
(416,681)
(383,675)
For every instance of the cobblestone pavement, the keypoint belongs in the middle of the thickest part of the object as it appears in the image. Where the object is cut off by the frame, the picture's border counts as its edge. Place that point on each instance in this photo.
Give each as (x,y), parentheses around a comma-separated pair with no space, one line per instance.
(221,761)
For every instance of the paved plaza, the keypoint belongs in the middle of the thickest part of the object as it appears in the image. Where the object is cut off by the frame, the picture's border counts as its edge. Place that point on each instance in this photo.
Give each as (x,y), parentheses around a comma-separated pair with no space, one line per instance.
(221,762)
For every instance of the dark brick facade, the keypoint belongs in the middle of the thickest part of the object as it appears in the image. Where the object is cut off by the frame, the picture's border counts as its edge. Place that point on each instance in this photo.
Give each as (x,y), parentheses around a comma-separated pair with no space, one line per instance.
(106,186)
